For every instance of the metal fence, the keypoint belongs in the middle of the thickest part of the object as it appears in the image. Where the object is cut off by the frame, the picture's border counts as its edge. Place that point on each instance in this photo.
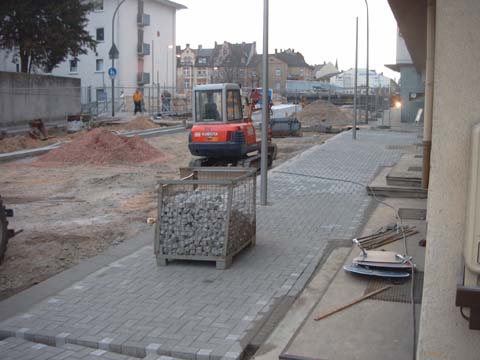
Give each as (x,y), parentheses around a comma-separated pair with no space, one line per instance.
(157,100)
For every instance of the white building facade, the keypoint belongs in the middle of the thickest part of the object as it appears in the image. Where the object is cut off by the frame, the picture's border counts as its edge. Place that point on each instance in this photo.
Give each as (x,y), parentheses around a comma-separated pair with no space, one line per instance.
(346,79)
(145,35)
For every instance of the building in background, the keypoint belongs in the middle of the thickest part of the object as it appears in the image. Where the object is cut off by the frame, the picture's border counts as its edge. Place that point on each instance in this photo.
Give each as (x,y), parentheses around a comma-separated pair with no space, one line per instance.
(325,71)
(145,37)
(224,63)
(298,69)
(412,86)
(346,79)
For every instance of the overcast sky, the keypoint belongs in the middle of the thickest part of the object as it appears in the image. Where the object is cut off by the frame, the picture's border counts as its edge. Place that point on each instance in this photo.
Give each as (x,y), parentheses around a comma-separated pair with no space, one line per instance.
(322,30)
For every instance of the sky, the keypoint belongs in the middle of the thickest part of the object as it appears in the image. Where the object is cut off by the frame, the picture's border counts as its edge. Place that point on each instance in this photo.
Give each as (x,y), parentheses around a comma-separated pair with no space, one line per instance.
(322,30)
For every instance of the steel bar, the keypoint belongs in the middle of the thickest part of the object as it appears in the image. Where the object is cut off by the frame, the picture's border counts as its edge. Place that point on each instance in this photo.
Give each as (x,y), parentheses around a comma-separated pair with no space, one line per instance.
(384,235)
(407,233)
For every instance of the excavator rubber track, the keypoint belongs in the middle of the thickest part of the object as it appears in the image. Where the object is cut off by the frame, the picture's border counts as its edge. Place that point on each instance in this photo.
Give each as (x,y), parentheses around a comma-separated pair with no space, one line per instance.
(252,161)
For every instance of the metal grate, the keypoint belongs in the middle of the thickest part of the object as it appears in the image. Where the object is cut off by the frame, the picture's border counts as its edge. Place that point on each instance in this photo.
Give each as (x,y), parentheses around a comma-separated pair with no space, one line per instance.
(400,292)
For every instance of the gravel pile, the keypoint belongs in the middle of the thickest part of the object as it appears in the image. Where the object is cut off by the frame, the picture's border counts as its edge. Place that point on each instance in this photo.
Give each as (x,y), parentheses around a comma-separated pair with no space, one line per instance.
(140,123)
(316,113)
(194,224)
(101,147)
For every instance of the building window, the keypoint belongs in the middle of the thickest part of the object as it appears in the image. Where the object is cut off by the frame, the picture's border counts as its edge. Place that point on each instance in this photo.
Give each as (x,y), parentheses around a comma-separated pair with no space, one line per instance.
(100,34)
(99,65)
(187,71)
(98,5)
(186,84)
(101,94)
(202,61)
(277,86)
(278,72)
(201,73)
(187,60)
(73,66)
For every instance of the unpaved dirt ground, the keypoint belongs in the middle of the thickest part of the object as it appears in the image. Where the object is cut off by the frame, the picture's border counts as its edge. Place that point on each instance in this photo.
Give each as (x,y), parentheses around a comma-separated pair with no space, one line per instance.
(23,142)
(71,213)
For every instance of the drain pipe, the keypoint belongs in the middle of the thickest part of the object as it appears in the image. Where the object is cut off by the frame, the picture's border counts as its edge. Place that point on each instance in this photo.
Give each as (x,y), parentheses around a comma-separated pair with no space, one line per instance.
(429,79)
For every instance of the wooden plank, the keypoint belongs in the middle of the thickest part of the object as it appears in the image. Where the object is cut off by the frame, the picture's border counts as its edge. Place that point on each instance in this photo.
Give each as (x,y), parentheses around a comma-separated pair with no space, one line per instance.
(343,307)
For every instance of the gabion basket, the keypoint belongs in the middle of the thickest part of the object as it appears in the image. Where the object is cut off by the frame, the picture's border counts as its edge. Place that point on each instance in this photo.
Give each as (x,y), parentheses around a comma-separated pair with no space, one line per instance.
(209,215)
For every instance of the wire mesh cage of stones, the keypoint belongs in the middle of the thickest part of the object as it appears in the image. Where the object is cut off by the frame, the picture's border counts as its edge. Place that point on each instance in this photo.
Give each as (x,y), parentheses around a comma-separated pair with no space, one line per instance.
(200,219)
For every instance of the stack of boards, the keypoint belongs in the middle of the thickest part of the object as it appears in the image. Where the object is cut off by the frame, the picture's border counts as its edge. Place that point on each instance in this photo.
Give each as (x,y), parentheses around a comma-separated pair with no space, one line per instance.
(381,264)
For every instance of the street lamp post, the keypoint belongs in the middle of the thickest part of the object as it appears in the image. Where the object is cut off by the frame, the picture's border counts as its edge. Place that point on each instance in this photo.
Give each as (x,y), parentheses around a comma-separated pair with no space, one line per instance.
(114,54)
(368,71)
(354,128)
(265,110)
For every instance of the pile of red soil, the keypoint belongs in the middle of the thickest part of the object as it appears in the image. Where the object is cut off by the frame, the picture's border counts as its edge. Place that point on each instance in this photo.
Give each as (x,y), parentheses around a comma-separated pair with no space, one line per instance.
(101,147)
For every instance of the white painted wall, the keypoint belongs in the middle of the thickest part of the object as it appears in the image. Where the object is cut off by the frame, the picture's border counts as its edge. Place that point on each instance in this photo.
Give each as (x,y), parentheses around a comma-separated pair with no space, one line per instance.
(162,20)
(347,79)
(327,69)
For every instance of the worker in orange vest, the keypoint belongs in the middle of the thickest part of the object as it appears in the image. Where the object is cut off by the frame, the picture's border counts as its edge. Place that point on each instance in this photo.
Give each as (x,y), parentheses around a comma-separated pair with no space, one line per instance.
(137,100)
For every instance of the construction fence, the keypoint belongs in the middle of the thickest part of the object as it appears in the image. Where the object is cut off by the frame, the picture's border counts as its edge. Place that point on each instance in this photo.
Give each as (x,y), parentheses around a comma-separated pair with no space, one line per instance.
(157,101)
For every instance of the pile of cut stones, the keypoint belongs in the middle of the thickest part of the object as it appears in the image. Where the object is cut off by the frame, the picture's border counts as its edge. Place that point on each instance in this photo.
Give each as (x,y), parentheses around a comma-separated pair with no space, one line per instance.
(193,223)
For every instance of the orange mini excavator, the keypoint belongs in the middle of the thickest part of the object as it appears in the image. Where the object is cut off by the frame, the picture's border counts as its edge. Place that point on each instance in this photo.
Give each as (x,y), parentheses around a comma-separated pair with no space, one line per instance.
(220,135)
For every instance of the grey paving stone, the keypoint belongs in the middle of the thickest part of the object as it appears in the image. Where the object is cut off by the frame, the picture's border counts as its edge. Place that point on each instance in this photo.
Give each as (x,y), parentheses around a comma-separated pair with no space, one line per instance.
(189,306)
(21,349)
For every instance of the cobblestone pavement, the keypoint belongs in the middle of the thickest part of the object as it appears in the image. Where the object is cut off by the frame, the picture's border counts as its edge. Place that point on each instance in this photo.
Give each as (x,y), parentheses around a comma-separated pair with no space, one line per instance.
(193,311)
(17,348)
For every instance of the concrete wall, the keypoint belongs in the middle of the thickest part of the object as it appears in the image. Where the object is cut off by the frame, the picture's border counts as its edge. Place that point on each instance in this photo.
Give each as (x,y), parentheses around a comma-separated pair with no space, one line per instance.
(403,56)
(25,97)
(410,82)
(444,334)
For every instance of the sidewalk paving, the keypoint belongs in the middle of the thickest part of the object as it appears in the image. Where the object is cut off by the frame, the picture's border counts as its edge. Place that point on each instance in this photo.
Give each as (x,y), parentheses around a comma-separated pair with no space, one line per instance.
(193,311)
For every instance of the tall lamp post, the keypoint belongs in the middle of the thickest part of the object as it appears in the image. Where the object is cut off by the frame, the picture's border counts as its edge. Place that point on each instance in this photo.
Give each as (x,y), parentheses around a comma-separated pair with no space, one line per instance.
(265,110)
(368,70)
(114,54)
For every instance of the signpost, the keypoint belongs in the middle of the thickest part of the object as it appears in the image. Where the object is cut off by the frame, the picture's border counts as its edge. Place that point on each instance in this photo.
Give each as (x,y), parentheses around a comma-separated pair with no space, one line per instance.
(112,72)
(114,54)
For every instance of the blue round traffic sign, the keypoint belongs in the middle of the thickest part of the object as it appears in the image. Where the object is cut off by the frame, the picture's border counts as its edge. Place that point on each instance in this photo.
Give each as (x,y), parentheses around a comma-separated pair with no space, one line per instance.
(112,72)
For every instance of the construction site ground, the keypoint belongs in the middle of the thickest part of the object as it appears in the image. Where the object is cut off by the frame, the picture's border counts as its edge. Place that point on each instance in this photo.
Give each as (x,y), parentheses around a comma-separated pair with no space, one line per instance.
(127,304)
(73,212)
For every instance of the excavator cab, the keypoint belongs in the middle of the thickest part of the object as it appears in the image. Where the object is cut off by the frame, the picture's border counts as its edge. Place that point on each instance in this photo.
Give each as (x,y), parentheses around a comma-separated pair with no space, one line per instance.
(220,135)
(217,103)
